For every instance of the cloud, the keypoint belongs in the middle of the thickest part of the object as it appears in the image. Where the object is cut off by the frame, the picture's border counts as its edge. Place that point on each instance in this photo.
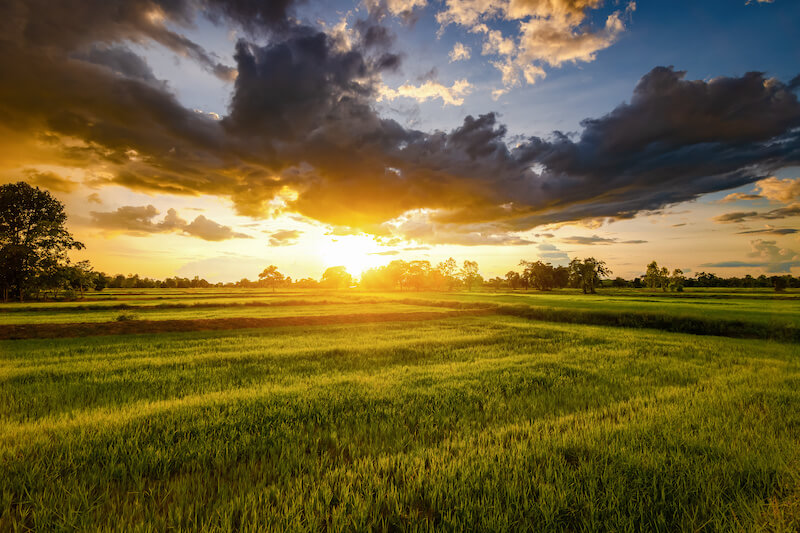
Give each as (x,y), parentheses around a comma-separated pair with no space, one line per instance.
(771,231)
(774,214)
(738,196)
(595,239)
(401,8)
(776,259)
(138,220)
(460,52)
(551,254)
(94,198)
(303,134)
(429,90)
(284,237)
(387,252)
(209,230)
(786,191)
(50,180)
(780,190)
(767,255)
(121,61)
(551,32)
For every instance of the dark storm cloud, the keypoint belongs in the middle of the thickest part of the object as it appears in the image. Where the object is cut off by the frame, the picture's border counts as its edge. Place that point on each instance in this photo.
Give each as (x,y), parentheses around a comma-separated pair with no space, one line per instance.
(302,119)
(73,26)
(255,16)
(121,61)
(138,220)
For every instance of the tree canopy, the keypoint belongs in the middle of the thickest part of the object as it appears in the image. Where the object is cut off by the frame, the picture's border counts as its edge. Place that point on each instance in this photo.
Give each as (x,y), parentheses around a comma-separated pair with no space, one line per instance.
(33,238)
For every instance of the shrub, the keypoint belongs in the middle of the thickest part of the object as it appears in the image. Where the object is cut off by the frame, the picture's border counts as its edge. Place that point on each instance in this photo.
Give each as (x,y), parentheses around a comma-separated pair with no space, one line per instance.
(68,294)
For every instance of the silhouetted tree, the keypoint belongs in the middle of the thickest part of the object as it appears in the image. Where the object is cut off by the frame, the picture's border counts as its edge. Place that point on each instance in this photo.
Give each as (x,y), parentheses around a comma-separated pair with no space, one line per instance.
(779,283)
(336,277)
(449,271)
(513,279)
(677,280)
(32,233)
(656,277)
(586,274)
(469,274)
(271,277)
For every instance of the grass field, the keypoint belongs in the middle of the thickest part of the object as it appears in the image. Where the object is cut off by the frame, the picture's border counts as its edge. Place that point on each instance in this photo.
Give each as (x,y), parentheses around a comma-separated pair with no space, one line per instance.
(490,422)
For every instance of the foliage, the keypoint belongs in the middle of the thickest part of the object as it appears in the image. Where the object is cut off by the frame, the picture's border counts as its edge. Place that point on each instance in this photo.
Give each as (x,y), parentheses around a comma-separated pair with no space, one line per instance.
(336,277)
(543,276)
(420,275)
(271,277)
(469,274)
(33,237)
(586,274)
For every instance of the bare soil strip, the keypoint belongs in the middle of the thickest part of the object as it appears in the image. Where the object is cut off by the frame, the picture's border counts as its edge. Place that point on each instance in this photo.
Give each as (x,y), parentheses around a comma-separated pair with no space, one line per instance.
(88,329)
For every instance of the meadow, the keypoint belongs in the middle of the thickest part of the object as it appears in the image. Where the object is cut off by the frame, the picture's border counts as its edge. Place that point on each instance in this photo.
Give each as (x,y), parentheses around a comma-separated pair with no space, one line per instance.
(524,412)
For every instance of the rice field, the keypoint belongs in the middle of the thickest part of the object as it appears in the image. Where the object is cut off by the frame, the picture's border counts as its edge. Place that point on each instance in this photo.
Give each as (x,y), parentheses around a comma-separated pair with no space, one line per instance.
(491,421)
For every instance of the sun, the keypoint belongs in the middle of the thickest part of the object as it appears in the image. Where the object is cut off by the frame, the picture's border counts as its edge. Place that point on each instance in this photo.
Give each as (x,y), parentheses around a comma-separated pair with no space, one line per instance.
(356,253)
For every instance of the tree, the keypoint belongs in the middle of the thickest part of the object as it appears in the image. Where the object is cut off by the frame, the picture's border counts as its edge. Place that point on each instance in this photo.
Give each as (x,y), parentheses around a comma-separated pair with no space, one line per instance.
(418,274)
(469,274)
(619,282)
(32,232)
(449,271)
(337,277)
(653,277)
(101,281)
(82,276)
(513,279)
(779,283)
(540,276)
(677,280)
(271,277)
(561,276)
(586,274)
(396,274)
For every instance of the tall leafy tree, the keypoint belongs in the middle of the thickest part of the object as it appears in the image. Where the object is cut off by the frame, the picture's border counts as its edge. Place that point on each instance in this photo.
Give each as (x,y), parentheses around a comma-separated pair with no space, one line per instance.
(469,274)
(32,235)
(449,271)
(336,277)
(271,277)
(586,274)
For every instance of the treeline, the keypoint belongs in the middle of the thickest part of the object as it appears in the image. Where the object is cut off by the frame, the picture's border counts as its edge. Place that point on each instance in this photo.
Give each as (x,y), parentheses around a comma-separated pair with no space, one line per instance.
(68,281)
(34,263)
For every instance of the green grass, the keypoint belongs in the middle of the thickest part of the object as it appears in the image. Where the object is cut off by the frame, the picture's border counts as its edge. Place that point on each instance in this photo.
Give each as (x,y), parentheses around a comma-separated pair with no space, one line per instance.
(53,316)
(481,423)
(772,310)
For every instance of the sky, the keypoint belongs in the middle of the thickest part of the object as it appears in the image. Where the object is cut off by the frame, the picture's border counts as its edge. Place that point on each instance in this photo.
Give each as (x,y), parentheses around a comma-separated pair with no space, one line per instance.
(216,137)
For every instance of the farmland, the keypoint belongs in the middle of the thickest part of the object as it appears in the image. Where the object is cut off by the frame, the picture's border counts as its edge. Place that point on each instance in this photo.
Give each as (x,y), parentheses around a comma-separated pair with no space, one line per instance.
(402,411)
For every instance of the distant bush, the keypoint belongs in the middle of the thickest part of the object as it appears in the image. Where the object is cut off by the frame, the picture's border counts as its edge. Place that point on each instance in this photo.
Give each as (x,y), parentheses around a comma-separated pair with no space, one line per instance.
(69,294)
(125,317)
